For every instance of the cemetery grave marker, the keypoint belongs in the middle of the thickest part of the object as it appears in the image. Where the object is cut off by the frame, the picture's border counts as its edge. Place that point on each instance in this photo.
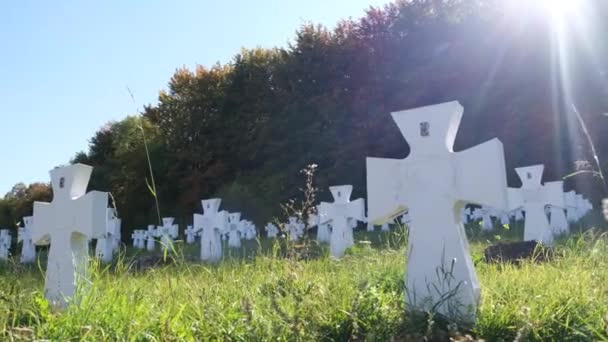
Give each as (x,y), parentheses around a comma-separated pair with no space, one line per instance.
(211,225)
(533,196)
(234,230)
(339,213)
(67,223)
(434,183)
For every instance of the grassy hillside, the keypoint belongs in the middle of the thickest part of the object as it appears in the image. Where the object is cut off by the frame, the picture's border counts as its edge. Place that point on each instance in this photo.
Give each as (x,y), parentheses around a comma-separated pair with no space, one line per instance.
(268,297)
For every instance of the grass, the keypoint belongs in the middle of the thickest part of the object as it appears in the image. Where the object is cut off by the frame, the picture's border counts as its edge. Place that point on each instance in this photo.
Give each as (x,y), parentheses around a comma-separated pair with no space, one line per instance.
(258,296)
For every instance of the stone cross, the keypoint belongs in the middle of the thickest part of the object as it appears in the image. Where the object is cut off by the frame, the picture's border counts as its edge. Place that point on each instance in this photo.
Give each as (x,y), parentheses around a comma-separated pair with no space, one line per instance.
(234,230)
(136,237)
(104,248)
(211,225)
(167,233)
(271,230)
(339,213)
(190,235)
(250,231)
(5,243)
(533,196)
(434,183)
(142,233)
(150,235)
(484,214)
(295,229)
(24,235)
(68,222)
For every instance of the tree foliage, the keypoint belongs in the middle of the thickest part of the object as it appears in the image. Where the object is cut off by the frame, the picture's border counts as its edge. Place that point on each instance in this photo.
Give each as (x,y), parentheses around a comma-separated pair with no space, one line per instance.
(243,130)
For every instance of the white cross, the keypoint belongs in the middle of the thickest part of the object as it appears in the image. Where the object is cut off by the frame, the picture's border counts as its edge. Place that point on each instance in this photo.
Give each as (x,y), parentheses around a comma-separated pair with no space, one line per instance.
(271,230)
(68,222)
(234,230)
(339,213)
(533,196)
(151,233)
(24,235)
(295,228)
(211,225)
(250,230)
(136,237)
(104,248)
(5,244)
(190,235)
(167,233)
(434,183)
(483,213)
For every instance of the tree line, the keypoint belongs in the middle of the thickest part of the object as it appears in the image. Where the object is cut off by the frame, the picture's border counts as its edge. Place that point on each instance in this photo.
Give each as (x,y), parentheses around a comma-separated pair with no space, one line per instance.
(243,130)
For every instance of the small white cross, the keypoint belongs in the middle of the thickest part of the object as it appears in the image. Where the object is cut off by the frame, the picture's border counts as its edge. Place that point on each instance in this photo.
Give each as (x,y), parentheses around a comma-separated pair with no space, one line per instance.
(339,213)
(211,225)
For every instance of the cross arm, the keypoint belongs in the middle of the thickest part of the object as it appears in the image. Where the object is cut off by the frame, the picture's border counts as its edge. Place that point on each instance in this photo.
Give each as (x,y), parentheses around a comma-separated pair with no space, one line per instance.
(481,175)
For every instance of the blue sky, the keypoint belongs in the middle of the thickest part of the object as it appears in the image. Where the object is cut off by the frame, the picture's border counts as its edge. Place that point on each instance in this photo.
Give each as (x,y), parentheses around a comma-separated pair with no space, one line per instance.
(65,65)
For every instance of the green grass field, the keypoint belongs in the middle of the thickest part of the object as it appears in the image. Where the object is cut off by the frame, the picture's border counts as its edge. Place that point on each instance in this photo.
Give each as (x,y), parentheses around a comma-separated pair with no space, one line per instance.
(255,295)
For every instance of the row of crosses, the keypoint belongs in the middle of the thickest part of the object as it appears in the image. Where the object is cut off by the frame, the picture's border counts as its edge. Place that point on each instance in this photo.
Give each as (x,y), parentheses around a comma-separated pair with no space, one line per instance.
(428,190)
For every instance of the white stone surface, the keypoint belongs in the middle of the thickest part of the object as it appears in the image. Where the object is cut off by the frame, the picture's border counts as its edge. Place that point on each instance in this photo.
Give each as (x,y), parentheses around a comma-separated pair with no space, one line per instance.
(105,246)
(434,183)
(190,235)
(557,220)
(295,229)
(323,226)
(136,237)
(117,233)
(272,231)
(484,215)
(141,238)
(68,222)
(211,225)
(338,214)
(151,234)
(234,230)
(385,227)
(533,196)
(167,233)
(5,243)
(24,236)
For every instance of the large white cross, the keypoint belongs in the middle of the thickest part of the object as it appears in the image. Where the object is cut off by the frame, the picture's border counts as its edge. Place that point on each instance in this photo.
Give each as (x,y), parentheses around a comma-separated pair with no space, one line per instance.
(533,196)
(68,222)
(211,225)
(434,183)
(339,214)
(24,235)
